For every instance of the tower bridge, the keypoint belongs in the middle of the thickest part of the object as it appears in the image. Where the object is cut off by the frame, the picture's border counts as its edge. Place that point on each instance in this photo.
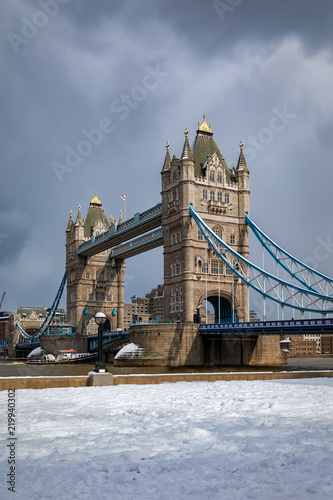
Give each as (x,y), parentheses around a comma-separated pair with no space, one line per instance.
(203,224)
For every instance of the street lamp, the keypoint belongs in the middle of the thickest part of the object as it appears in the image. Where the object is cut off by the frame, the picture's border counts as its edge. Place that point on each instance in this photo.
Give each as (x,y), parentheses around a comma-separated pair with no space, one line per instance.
(100,367)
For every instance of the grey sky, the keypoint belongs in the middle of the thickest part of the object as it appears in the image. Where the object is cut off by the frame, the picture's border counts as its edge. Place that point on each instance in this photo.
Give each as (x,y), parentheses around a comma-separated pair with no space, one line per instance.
(244,63)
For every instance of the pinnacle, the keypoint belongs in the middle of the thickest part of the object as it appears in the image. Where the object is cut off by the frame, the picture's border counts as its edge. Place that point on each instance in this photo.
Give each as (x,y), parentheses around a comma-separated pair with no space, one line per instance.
(187,152)
(167,160)
(241,165)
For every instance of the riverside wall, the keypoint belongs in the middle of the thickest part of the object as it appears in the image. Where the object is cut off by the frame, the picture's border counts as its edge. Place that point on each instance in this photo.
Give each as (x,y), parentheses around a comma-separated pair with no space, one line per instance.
(108,379)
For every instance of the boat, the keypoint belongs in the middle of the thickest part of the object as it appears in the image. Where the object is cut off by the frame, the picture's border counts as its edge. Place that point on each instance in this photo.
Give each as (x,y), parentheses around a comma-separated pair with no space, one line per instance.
(64,356)
(71,356)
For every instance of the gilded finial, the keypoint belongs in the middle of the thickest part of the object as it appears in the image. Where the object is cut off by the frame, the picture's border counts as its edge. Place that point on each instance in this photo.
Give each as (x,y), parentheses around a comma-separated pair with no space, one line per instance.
(167,145)
(96,201)
(70,213)
(241,145)
(203,126)
(186,131)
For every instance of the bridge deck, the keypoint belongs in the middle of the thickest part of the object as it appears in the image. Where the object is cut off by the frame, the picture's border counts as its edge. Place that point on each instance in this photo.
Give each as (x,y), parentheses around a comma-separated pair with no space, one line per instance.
(269,327)
(149,241)
(137,225)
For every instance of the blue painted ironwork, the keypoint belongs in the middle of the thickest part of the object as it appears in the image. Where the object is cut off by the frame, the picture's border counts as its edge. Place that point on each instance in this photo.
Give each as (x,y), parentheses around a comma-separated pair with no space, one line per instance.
(108,237)
(24,345)
(49,316)
(107,338)
(266,284)
(309,277)
(268,327)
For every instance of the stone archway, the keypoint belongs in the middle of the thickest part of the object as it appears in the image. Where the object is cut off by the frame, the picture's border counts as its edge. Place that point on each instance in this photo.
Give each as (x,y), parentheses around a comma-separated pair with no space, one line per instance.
(92,329)
(222,306)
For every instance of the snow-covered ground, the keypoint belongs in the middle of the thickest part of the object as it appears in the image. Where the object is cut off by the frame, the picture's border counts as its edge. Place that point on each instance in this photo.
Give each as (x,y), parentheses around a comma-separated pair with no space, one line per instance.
(260,440)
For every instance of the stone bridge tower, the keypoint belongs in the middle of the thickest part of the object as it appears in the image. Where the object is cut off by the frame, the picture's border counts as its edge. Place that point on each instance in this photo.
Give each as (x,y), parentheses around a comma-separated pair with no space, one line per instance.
(93,283)
(220,195)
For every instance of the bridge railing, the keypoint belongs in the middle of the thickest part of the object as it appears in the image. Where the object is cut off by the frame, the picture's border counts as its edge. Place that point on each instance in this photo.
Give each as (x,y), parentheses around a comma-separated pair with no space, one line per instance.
(256,325)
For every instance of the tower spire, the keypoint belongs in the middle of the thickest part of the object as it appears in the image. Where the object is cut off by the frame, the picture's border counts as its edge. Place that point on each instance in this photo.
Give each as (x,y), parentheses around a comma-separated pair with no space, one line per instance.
(167,160)
(187,152)
(241,165)
(79,220)
(70,222)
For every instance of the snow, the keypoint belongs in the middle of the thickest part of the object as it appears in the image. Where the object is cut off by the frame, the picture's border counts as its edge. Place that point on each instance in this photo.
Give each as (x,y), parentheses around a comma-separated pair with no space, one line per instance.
(128,349)
(262,440)
(36,352)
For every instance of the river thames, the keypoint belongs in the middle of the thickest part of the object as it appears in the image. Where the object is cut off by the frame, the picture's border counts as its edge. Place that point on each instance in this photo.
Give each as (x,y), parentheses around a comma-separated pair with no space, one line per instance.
(23,369)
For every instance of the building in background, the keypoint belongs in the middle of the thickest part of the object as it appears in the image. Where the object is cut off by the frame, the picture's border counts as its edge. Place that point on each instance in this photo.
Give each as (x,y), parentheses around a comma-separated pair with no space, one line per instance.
(327,344)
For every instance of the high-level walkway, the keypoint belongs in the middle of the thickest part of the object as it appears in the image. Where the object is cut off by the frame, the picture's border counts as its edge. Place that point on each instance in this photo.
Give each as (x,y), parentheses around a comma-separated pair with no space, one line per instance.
(140,224)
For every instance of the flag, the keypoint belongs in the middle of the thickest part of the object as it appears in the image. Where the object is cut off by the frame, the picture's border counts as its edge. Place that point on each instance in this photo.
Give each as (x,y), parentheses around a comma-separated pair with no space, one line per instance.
(123,197)
(134,297)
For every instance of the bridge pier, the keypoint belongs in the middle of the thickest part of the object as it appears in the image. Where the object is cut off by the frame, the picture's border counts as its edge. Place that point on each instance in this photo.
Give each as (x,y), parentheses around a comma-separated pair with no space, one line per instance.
(241,350)
(180,344)
(267,352)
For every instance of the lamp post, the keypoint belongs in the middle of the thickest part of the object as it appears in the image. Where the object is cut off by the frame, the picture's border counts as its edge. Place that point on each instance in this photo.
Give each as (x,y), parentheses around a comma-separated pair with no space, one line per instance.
(100,367)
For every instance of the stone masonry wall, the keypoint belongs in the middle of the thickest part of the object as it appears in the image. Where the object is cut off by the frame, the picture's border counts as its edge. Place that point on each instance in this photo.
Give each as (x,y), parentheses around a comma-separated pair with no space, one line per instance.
(179,344)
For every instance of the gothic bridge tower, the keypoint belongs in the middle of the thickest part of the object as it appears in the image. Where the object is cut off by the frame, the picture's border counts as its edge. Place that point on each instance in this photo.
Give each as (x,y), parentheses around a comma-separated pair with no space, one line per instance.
(220,195)
(93,283)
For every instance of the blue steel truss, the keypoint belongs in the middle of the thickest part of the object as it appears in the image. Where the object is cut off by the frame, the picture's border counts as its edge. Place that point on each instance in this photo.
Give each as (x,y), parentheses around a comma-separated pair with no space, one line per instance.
(306,275)
(49,316)
(266,284)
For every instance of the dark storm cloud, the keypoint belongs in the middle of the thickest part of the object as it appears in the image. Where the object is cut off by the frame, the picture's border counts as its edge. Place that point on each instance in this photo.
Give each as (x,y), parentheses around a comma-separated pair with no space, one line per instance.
(237,63)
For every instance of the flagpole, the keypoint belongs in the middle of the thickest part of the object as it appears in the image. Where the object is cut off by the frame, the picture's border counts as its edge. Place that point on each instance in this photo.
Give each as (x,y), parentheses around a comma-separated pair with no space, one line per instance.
(123,197)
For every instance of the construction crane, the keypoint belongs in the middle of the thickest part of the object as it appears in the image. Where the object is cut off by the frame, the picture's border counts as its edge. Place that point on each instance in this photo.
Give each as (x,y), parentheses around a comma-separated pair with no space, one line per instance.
(2,299)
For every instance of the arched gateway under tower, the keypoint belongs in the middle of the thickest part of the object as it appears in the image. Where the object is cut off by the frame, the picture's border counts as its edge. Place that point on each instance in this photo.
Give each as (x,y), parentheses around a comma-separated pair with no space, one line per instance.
(96,248)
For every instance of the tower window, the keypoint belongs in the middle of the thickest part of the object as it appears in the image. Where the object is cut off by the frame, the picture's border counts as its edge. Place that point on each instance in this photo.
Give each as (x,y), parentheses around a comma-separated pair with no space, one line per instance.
(200,235)
(204,194)
(219,177)
(218,232)
(214,266)
(232,239)
(211,176)
(226,197)
(87,276)
(100,296)
(219,196)
(212,195)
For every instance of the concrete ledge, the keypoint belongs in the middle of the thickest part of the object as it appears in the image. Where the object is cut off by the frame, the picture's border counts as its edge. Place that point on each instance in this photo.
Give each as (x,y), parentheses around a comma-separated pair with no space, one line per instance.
(213,377)
(41,382)
(100,379)
(106,379)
